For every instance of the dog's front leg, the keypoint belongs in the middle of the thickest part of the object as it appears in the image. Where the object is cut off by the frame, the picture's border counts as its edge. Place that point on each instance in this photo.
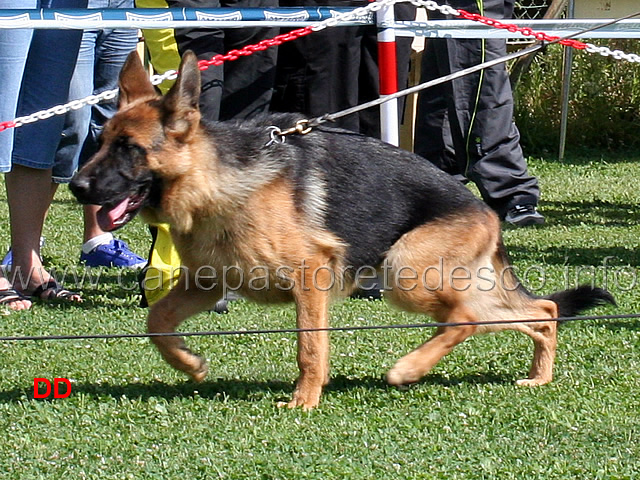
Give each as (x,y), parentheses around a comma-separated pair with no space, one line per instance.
(167,314)
(312,306)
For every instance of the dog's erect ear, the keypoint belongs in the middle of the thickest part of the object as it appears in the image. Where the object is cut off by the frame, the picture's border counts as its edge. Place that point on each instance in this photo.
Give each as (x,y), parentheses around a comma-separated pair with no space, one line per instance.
(181,103)
(185,93)
(134,81)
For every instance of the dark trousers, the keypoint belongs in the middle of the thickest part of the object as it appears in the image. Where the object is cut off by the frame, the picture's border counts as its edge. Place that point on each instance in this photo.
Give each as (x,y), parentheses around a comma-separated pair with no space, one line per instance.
(335,69)
(239,88)
(465,127)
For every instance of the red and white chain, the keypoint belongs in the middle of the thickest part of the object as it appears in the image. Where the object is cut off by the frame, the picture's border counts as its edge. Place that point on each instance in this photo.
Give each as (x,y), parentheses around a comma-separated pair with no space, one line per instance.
(354,15)
(527,32)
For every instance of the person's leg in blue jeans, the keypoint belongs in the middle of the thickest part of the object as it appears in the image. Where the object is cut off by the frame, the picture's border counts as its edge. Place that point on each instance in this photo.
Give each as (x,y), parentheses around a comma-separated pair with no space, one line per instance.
(14,46)
(45,83)
(102,54)
(76,122)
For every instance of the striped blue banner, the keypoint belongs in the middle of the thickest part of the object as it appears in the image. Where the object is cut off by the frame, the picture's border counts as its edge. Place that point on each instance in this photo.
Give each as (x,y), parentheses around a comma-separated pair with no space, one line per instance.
(170,17)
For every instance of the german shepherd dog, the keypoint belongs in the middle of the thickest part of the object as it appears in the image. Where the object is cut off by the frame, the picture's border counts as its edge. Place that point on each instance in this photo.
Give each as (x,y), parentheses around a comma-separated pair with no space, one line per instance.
(299,220)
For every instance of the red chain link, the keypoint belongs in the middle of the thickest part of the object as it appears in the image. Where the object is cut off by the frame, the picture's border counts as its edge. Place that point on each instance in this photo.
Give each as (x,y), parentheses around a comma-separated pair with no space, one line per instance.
(524,30)
(250,49)
(7,125)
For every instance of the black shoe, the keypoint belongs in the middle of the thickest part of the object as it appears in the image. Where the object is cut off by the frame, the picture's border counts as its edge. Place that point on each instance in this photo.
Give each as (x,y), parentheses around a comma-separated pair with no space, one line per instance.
(368,294)
(524,216)
(221,306)
(371,290)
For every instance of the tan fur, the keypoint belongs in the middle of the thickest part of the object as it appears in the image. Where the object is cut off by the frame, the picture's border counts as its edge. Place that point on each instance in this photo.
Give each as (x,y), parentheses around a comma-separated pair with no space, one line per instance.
(245,238)
(467,282)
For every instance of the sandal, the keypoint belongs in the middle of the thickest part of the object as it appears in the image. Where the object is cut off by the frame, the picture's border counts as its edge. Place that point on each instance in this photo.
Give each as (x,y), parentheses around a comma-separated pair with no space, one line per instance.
(52,290)
(9,296)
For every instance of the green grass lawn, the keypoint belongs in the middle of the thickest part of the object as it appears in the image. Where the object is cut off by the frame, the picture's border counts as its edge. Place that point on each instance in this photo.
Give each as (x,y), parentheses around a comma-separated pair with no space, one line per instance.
(131,416)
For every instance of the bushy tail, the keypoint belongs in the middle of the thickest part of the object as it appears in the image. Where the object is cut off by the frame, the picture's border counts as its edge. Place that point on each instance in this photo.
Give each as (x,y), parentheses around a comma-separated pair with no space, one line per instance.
(576,300)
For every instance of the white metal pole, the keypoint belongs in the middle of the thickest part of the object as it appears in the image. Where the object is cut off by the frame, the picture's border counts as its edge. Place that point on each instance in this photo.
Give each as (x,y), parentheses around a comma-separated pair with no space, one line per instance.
(388,71)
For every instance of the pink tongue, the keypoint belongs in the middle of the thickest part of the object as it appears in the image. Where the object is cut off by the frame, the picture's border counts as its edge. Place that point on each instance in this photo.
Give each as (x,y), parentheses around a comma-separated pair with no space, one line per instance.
(107,218)
(119,210)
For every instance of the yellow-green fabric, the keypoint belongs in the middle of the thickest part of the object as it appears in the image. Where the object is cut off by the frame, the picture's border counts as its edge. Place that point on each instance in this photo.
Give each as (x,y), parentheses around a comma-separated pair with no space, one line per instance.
(164,266)
(161,45)
(164,262)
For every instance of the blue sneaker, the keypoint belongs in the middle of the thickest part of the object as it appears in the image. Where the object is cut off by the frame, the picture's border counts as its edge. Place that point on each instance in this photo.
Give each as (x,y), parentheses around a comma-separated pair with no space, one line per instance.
(7,261)
(113,254)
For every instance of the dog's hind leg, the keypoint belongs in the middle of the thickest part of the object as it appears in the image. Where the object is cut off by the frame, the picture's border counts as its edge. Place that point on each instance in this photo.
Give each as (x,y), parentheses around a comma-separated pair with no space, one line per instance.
(433,271)
(413,366)
(167,314)
(544,336)
(312,308)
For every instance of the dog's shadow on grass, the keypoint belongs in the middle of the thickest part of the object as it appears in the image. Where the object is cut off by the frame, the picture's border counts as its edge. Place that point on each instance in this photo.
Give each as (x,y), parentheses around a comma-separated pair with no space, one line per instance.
(216,389)
(241,390)
(623,325)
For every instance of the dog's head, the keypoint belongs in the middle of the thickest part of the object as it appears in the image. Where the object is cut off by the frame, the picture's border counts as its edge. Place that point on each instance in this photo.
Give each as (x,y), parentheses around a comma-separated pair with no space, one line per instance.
(142,146)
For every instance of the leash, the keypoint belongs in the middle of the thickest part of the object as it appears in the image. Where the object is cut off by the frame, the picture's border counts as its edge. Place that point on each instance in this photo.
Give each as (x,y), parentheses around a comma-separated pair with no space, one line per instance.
(305,126)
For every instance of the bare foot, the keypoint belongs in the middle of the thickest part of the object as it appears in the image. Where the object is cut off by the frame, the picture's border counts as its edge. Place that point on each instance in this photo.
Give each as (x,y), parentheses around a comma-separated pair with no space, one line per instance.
(10,298)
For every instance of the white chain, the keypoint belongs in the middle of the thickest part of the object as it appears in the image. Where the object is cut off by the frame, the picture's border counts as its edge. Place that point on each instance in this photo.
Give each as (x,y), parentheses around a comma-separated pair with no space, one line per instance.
(331,22)
(433,6)
(360,12)
(617,54)
(62,109)
(168,75)
(90,100)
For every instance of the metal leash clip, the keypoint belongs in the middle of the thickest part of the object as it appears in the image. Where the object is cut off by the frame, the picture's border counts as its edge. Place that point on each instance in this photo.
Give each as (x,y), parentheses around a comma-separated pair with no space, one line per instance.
(276,135)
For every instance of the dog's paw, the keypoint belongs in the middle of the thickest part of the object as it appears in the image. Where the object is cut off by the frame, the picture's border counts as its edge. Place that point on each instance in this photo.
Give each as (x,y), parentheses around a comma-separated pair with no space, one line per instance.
(200,372)
(402,374)
(307,402)
(532,382)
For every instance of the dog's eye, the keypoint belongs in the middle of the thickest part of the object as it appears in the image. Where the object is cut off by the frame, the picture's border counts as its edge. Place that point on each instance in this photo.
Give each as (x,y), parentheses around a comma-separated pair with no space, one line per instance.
(124,144)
